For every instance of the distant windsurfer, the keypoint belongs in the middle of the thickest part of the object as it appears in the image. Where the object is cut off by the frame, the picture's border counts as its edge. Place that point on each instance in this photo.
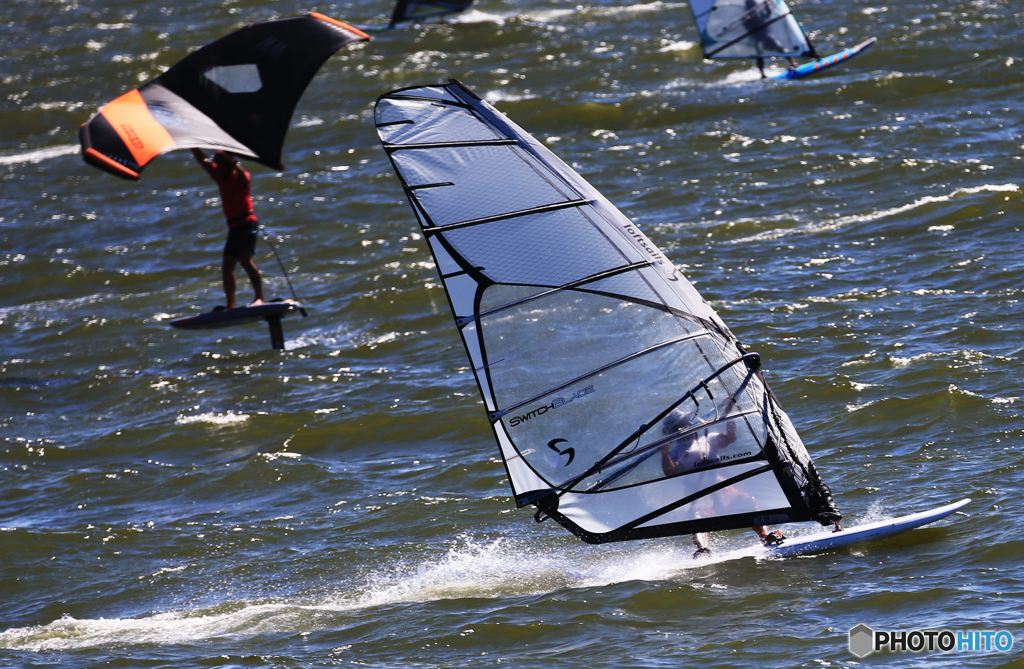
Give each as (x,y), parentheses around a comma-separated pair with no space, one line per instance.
(243,227)
(700,448)
(756,20)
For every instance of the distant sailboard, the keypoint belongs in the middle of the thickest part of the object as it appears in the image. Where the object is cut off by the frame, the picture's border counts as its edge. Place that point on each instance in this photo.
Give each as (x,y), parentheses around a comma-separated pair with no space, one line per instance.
(759,29)
(595,357)
(271,312)
(821,64)
(415,11)
(236,94)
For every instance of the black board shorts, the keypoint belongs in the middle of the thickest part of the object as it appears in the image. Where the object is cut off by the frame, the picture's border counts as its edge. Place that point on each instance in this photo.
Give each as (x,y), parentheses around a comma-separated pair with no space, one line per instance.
(242,239)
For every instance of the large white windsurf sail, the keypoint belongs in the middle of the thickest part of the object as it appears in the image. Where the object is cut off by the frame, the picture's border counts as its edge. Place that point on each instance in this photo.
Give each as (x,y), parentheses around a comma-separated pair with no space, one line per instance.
(749,29)
(417,11)
(623,406)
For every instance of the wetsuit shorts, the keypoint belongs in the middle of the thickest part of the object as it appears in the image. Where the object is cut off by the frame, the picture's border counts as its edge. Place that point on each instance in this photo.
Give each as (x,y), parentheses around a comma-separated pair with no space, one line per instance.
(242,239)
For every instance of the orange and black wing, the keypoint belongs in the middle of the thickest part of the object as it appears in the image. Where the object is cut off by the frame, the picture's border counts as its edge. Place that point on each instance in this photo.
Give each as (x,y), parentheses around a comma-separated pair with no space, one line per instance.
(237,94)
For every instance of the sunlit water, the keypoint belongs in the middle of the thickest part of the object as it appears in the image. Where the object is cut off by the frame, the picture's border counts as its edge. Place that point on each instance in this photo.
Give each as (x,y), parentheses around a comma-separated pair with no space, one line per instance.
(196,499)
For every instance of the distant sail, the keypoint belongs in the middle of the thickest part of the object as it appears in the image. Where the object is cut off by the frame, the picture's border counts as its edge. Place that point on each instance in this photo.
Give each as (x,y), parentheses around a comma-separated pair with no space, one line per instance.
(749,29)
(412,11)
(596,359)
(237,93)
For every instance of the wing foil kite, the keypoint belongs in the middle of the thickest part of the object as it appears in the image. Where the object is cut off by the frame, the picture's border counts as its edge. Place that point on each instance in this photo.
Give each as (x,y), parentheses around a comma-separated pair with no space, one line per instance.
(623,406)
(237,94)
(412,11)
(749,29)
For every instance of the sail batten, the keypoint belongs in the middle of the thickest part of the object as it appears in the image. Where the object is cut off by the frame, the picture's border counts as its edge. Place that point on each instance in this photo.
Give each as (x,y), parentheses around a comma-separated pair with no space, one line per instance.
(448,145)
(622,405)
(648,451)
(594,372)
(710,490)
(511,214)
(574,284)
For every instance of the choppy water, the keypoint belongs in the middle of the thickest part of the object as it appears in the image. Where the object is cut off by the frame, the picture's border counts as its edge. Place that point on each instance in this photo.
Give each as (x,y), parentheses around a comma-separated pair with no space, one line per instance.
(175,499)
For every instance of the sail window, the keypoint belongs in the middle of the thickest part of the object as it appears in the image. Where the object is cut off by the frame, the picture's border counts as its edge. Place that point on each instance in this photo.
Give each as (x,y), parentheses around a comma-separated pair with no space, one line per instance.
(236,78)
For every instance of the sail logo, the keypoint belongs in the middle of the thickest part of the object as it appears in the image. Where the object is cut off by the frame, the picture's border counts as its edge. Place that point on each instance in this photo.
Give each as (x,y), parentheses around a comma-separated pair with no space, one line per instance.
(132,136)
(571,452)
(864,641)
(556,403)
(652,250)
(707,462)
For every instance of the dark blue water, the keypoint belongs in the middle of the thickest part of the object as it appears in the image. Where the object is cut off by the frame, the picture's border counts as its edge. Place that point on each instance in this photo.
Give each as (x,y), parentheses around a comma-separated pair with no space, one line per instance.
(182,499)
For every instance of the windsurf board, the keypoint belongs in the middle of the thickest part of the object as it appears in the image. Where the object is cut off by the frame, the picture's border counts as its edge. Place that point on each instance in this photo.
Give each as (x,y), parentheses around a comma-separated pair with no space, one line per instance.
(225,318)
(827,540)
(826,62)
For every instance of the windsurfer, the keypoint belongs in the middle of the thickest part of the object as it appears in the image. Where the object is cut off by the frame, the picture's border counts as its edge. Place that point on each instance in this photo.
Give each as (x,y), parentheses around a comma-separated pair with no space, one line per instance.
(697,449)
(756,21)
(243,227)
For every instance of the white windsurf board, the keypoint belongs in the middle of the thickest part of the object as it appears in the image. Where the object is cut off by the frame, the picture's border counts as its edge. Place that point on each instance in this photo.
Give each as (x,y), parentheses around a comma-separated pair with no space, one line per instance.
(827,540)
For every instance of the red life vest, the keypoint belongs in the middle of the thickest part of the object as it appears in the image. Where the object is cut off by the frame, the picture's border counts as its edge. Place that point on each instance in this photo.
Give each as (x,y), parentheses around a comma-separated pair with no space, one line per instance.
(235,197)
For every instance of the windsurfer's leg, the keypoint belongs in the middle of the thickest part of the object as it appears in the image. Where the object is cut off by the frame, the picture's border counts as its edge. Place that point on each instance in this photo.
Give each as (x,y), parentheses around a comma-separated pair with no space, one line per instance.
(228,272)
(700,540)
(760,66)
(254,276)
(239,248)
(768,538)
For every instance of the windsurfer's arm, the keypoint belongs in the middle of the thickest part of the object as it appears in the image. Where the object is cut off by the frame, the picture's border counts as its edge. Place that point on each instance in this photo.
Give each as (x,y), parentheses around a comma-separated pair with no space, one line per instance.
(668,465)
(730,430)
(203,160)
(720,440)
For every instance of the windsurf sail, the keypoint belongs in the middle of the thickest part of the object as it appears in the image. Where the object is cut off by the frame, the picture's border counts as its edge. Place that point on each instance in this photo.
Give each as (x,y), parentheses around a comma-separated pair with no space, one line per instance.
(414,11)
(622,405)
(237,94)
(750,29)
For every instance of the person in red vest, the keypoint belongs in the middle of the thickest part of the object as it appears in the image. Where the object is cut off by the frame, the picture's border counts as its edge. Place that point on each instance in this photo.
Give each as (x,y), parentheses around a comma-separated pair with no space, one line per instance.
(243,227)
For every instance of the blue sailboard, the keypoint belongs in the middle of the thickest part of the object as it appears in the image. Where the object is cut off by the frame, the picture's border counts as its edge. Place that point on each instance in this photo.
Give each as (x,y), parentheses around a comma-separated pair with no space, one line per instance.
(761,30)
(825,63)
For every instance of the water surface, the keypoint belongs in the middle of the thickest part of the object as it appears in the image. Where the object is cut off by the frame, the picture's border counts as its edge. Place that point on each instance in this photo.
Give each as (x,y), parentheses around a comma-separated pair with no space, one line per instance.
(189,499)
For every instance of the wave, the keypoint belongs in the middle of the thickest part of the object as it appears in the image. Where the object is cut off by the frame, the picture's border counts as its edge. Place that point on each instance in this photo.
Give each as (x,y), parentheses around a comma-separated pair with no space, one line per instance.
(476,16)
(503,568)
(842,221)
(500,568)
(682,45)
(228,418)
(39,155)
